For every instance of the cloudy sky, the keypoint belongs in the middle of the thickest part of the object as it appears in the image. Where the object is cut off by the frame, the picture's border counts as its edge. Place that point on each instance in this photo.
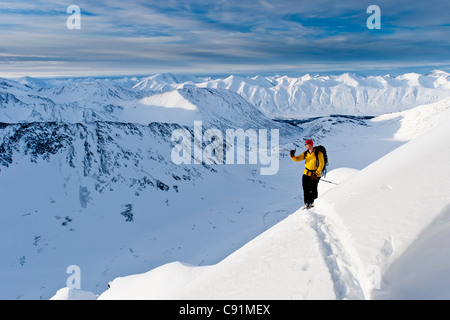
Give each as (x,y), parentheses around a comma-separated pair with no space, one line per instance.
(141,37)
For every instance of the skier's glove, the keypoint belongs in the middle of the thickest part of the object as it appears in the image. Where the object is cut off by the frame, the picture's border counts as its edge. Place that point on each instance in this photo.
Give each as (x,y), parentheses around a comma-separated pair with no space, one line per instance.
(293,153)
(313,176)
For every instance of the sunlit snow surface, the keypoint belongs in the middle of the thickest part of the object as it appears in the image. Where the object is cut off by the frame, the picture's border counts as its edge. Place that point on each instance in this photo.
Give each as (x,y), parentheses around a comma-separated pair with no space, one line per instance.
(86,179)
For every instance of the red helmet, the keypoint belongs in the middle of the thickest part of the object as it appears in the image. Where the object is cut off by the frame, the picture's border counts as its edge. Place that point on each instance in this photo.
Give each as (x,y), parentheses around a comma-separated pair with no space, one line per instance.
(309,141)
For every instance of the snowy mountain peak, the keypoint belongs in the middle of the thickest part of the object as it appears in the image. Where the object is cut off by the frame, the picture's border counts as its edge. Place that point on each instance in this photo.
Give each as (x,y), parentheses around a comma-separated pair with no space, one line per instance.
(438,73)
(349,79)
(7,85)
(170,99)
(163,82)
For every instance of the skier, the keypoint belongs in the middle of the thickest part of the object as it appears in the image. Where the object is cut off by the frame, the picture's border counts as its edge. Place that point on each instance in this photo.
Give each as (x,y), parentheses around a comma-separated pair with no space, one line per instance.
(314,164)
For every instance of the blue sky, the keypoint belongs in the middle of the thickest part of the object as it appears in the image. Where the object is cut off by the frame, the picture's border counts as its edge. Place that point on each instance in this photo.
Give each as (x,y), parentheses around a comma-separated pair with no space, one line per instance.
(137,37)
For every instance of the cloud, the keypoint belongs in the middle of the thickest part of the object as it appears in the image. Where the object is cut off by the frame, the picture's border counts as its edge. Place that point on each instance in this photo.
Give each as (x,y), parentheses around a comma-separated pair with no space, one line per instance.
(198,35)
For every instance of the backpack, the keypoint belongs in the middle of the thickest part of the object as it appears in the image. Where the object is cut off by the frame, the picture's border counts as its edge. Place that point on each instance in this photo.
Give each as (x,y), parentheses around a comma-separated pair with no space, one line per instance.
(325,158)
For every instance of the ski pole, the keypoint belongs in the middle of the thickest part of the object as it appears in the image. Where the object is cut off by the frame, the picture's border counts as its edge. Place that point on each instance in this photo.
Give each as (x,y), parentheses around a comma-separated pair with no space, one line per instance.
(329,182)
(272,150)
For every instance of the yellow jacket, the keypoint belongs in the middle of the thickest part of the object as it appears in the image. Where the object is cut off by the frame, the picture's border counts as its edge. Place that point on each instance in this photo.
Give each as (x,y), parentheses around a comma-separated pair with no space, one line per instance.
(311,165)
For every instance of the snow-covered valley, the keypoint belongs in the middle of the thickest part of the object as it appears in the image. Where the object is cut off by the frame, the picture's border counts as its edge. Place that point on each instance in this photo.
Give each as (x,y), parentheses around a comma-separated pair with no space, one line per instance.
(87,180)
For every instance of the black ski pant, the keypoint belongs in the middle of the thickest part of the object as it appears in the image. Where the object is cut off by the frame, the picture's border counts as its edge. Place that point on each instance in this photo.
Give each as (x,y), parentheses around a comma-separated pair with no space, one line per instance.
(309,189)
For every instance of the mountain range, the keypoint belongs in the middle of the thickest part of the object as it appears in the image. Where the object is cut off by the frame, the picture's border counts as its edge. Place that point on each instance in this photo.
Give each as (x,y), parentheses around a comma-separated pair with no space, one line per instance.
(126,99)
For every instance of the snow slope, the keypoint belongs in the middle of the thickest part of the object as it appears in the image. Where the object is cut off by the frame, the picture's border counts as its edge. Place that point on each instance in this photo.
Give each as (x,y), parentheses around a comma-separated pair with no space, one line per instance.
(382,233)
